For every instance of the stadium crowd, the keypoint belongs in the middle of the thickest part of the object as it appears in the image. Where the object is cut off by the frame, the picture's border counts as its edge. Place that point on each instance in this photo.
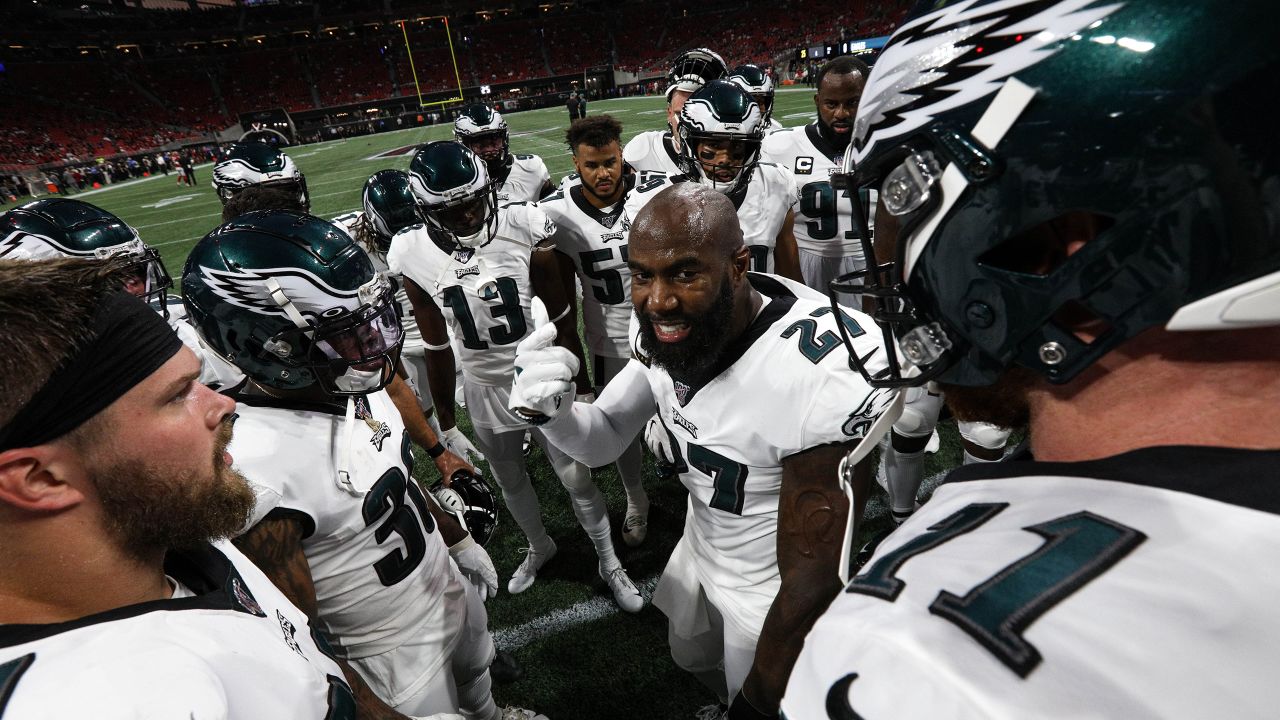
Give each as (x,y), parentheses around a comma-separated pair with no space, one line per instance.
(110,105)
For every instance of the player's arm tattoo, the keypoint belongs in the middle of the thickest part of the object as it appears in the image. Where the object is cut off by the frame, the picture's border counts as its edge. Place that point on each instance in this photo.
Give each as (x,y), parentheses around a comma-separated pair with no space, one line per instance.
(275,546)
(440,363)
(811,516)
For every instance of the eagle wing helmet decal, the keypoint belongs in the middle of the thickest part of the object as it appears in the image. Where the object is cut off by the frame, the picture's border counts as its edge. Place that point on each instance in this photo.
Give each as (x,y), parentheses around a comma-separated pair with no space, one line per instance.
(251,290)
(951,57)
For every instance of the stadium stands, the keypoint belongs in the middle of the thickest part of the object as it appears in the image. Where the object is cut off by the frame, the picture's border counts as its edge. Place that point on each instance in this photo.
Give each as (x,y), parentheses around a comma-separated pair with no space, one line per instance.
(202,69)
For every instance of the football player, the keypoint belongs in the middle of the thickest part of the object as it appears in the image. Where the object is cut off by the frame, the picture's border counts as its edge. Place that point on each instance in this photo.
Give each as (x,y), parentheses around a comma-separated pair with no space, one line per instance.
(474,268)
(61,227)
(340,524)
(1085,237)
(248,164)
(520,178)
(759,84)
(756,405)
(720,129)
(593,211)
(659,150)
(389,207)
(825,234)
(115,487)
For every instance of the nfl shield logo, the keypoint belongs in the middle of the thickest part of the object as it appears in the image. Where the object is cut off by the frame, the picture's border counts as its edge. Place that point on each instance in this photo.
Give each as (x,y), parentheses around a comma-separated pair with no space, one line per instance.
(682,392)
(463,255)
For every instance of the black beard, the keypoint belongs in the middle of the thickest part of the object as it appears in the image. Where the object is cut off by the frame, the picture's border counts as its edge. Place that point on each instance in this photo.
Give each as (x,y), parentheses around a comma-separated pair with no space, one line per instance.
(619,188)
(840,142)
(694,358)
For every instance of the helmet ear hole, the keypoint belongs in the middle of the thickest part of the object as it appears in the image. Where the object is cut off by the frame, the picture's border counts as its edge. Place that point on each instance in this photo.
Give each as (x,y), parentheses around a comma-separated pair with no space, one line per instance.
(1042,249)
(1074,317)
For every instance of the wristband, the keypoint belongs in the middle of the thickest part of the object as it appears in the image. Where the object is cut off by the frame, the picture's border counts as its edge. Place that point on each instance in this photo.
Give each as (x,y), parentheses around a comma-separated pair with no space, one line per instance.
(436,450)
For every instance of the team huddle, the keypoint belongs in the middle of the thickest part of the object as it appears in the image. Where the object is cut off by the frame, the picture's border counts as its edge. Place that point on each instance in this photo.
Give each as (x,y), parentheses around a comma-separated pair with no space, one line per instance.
(207,500)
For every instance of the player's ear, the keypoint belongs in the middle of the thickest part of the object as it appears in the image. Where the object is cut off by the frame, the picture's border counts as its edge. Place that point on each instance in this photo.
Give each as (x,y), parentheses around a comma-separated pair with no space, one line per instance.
(36,479)
(741,263)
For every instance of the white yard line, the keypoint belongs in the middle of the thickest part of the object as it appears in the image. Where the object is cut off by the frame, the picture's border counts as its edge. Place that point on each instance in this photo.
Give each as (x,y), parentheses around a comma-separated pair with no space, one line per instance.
(564,619)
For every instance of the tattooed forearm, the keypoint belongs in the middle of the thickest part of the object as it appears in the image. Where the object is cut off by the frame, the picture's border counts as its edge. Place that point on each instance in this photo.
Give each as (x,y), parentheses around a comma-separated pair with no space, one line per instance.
(275,546)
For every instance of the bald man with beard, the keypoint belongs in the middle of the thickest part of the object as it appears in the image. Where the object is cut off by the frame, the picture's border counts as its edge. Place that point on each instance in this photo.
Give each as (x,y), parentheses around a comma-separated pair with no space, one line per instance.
(757,405)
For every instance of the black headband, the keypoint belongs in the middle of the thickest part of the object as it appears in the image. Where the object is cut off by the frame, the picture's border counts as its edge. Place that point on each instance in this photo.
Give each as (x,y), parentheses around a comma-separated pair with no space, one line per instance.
(128,342)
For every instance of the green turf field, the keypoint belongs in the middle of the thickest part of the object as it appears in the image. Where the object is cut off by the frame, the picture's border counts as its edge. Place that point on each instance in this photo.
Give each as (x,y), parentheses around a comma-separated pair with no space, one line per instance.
(583,659)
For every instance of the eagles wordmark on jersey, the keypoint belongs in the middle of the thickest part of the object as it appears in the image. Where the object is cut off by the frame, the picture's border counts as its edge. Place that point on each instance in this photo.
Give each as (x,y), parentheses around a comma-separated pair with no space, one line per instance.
(483,293)
(596,241)
(783,387)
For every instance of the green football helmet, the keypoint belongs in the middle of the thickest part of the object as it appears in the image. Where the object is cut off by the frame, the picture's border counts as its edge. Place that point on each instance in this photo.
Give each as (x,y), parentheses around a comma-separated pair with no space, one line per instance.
(389,205)
(482,129)
(758,84)
(721,126)
(988,127)
(293,302)
(254,163)
(61,227)
(458,198)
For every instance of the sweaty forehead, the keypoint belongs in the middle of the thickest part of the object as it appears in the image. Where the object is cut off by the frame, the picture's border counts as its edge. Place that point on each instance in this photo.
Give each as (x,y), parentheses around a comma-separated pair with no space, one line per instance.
(683,220)
(841,85)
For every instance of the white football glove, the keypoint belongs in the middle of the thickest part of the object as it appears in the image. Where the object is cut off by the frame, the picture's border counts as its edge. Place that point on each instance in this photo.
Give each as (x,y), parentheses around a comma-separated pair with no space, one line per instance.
(437,716)
(659,442)
(544,375)
(457,443)
(476,566)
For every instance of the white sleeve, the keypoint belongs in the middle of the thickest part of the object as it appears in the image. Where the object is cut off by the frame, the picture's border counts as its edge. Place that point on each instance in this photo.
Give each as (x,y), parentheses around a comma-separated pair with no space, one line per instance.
(596,434)
(636,149)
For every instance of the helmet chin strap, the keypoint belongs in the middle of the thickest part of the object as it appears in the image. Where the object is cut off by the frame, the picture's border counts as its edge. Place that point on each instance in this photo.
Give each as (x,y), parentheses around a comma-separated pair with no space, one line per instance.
(844,475)
(286,305)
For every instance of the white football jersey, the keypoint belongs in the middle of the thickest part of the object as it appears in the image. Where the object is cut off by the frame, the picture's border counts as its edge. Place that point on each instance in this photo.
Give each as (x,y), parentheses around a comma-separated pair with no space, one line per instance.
(596,241)
(824,217)
(784,387)
(484,294)
(1136,586)
(762,211)
(772,126)
(214,371)
(381,570)
(652,150)
(412,335)
(227,646)
(525,178)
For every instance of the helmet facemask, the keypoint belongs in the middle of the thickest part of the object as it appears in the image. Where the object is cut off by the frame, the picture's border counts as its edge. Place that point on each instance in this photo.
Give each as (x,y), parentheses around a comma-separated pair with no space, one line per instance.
(470,221)
(149,279)
(720,130)
(493,146)
(723,161)
(349,351)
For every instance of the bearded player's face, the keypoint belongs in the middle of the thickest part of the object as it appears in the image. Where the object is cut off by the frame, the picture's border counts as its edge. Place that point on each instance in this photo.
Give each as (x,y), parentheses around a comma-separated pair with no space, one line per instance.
(159,464)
